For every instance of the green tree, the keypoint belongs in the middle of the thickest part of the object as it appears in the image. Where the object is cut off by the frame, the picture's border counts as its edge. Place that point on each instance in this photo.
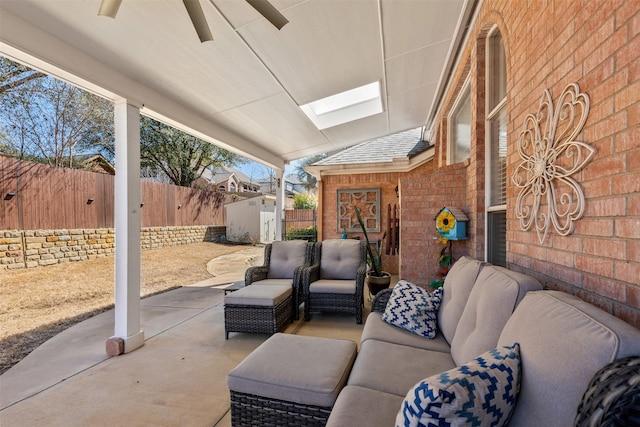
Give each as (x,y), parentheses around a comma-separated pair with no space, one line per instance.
(309,180)
(304,201)
(181,157)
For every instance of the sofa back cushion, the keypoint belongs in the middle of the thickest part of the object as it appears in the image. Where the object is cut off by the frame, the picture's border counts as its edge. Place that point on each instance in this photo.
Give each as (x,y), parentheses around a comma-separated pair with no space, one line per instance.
(457,287)
(563,341)
(285,257)
(491,302)
(340,259)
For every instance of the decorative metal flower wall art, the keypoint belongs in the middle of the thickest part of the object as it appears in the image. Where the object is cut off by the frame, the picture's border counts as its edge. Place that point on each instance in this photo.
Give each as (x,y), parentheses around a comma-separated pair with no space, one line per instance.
(550,155)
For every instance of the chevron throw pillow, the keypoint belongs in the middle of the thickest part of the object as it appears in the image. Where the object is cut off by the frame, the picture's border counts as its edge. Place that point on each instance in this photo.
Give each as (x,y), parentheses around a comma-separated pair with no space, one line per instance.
(414,309)
(480,393)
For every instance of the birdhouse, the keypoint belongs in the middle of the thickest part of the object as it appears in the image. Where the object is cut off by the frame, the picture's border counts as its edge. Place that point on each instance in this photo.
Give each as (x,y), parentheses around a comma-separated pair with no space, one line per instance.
(451,223)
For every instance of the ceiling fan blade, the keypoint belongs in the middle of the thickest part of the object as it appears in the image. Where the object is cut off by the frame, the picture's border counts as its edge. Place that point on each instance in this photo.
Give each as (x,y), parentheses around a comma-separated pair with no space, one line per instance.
(194,9)
(109,8)
(271,14)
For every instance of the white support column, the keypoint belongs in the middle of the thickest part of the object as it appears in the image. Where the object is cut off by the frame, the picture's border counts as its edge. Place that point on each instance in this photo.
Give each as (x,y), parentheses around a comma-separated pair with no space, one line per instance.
(279,202)
(128,335)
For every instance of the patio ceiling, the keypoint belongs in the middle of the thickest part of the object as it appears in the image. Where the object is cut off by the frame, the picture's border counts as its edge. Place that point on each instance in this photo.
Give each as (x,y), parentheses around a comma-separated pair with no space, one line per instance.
(242,90)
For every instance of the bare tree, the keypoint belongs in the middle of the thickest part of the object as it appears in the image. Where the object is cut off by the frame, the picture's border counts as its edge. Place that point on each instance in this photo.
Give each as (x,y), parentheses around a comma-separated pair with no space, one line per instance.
(48,119)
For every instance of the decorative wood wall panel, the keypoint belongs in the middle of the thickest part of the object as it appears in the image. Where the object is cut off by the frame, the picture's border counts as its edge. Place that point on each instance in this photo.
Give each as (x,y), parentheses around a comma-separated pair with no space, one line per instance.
(367,200)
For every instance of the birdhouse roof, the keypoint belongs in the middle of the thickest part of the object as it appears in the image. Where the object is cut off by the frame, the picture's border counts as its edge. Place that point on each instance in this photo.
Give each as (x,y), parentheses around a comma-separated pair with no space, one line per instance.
(457,213)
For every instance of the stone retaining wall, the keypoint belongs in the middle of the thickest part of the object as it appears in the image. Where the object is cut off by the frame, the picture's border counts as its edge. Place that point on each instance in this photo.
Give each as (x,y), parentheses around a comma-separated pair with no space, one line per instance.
(36,248)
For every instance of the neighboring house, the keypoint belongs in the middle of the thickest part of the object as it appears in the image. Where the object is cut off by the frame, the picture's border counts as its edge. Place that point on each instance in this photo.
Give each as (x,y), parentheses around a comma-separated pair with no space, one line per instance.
(230,180)
(96,163)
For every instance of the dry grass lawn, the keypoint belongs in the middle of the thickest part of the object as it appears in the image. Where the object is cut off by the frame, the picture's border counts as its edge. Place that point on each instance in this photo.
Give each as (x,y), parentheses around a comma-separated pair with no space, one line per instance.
(36,304)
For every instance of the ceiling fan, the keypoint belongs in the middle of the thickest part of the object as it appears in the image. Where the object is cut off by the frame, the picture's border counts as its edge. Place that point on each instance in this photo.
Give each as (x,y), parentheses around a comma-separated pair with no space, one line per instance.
(194,9)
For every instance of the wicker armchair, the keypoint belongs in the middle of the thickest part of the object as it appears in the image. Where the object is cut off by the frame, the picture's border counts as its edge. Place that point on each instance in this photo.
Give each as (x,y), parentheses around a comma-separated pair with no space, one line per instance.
(613,396)
(335,281)
(283,263)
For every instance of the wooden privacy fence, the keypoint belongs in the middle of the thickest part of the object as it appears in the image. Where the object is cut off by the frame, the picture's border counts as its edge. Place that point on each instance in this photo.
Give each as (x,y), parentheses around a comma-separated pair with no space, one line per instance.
(36,196)
(300,218)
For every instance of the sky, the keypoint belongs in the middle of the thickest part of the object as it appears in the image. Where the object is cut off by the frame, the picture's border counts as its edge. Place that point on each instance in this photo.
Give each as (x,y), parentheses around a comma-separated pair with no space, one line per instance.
(258,170)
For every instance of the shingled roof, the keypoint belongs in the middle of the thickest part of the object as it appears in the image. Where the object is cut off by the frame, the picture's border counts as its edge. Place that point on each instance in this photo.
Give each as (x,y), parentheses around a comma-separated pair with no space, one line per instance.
(399,145)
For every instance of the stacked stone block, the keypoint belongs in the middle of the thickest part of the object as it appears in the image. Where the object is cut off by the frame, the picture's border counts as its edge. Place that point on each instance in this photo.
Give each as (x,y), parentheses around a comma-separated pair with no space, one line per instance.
(37,248)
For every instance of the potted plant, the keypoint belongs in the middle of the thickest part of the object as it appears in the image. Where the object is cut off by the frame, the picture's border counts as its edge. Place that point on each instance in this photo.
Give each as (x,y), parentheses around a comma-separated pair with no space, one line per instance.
(376,278)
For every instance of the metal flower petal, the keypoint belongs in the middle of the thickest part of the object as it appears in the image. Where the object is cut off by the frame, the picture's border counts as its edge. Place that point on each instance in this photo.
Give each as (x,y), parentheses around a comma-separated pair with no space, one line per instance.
(550,155)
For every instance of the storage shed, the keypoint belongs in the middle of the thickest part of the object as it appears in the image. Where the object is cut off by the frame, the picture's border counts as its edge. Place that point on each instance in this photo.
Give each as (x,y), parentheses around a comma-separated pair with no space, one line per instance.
(252,220)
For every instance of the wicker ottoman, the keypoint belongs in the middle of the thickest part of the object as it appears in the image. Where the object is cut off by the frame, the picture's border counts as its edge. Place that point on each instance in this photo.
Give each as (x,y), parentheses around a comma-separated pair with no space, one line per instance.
(258,309)
(290,380)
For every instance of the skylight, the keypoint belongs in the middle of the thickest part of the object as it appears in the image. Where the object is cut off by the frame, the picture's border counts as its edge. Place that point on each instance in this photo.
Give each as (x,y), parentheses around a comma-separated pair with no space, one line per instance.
(354,104)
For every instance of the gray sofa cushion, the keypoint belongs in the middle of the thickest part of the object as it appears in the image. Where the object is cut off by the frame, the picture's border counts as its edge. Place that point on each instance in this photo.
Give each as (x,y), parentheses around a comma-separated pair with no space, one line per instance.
(457,287)
(394,368)
(339,259)
(295,368)
(563,341)
(493,298)
(359,406)
(285,257)
(377,329)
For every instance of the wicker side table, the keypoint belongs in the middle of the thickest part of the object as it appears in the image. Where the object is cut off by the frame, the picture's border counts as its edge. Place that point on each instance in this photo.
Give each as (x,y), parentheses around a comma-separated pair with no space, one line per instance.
(290,380)
(258,309)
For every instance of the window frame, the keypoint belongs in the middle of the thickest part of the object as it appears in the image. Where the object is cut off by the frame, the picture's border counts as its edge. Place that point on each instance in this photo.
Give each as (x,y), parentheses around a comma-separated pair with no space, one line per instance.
(492,115)
(465,92)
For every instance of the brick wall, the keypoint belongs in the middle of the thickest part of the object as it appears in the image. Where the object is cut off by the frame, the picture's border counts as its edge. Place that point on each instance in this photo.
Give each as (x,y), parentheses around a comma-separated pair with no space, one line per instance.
(37,248)
(424,192)
(550,45)
(329,187)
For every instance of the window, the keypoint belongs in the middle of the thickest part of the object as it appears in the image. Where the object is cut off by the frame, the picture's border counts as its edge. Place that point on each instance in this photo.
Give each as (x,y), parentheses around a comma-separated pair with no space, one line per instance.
(460,128)
(496,182)
(232,186)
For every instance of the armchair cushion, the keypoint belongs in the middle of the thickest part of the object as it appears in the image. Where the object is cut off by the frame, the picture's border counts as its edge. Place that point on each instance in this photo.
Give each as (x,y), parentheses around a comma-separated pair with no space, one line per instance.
(324,286)
(340,259)
(285,257)
(481,392)
(414,309)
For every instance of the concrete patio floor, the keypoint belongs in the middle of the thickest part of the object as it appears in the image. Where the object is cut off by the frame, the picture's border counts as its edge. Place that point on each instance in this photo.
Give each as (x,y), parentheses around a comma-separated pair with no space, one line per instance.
(178,378)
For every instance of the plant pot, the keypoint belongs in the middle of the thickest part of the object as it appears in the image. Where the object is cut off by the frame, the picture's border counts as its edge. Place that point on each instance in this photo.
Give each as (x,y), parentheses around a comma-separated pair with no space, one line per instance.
(376,284)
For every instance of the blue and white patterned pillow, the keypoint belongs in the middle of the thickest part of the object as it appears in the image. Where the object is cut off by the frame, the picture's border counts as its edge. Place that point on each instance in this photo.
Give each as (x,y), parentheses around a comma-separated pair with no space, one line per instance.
(480,393)
(413,308)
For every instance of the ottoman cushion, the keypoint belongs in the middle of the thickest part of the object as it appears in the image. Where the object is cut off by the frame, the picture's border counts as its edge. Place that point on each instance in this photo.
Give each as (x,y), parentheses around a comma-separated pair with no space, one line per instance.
(268,296)
(293,368)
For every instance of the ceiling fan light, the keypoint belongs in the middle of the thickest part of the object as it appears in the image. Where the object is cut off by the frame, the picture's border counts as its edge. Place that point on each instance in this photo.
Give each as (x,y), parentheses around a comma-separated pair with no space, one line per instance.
(109,8)
(270,13)
(198,19)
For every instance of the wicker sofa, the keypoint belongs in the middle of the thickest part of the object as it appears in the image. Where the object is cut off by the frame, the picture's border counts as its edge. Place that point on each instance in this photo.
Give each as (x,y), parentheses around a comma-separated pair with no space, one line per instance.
(563,342)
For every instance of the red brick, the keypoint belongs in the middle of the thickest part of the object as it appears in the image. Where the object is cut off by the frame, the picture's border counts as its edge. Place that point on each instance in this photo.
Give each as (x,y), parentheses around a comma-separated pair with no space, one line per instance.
(608,166)
(595,265)
(628,314)
(596,300)
(628,53)
(633,295)
(630,94)
(627,271)
(608,288)
(607,248)
(626,184)
(628,228)
(594,227)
